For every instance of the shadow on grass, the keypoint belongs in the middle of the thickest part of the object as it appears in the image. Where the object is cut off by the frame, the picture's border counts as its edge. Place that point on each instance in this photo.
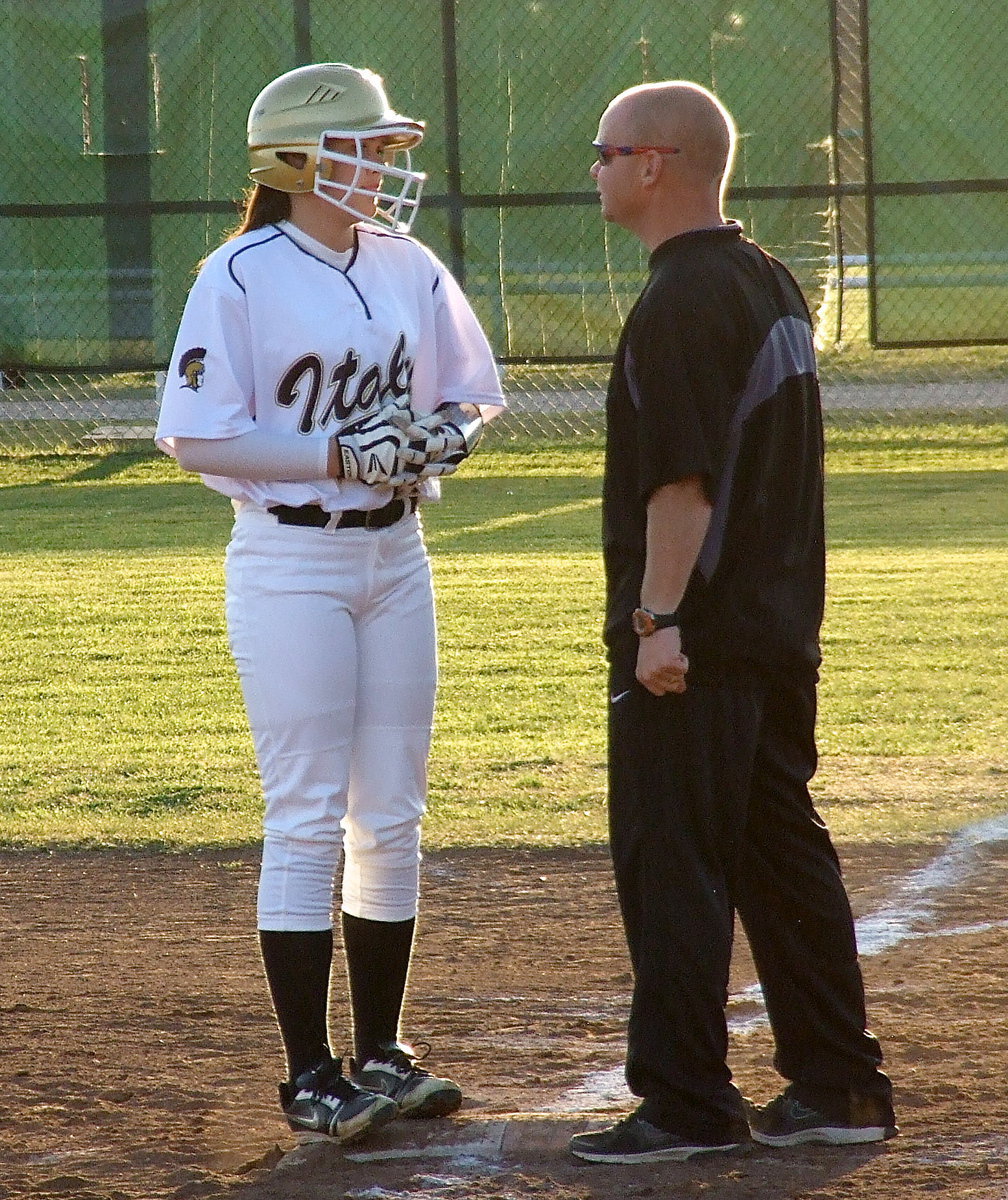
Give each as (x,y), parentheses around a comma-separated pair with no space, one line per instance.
(171,518)
(488,515)
(45,469)
(110,466)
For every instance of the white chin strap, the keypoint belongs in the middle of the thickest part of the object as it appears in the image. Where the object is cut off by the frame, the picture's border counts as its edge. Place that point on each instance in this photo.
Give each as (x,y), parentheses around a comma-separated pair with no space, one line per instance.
(395,209)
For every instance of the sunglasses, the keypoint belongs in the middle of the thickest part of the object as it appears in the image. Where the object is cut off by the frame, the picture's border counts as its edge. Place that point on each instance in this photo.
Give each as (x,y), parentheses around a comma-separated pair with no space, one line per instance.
(606,152)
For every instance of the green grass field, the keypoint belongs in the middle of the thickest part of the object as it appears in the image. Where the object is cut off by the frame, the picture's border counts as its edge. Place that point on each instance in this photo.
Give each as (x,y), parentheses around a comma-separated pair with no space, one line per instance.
(122,721)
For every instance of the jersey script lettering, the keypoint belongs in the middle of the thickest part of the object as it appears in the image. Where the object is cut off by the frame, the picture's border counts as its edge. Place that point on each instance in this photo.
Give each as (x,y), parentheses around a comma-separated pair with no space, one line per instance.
(370,388)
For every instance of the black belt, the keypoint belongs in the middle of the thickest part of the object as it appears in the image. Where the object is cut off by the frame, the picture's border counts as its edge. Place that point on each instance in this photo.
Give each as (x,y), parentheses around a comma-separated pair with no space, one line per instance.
(351,518)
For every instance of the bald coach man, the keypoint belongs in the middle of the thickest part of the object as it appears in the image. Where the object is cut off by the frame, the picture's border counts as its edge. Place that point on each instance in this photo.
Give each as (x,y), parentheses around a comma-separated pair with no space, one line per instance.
(714,557)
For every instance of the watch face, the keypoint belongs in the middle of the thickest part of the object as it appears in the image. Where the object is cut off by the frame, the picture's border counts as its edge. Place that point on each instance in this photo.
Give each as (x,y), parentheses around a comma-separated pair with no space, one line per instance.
(642,622)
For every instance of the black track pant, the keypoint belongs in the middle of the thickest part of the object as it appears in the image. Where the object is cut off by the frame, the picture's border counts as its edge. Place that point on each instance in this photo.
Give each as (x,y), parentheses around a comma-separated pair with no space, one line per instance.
(710,815)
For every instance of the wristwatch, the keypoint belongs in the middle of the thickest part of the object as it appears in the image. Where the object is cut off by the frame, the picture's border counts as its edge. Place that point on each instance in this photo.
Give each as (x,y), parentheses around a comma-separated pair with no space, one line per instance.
(645,622)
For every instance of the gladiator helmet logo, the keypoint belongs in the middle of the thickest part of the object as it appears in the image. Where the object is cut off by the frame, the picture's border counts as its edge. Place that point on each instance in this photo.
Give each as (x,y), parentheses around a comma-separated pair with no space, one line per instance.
(192,366)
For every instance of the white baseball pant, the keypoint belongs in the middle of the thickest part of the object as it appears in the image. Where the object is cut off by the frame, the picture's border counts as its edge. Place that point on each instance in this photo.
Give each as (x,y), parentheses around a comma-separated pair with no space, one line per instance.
(333,633)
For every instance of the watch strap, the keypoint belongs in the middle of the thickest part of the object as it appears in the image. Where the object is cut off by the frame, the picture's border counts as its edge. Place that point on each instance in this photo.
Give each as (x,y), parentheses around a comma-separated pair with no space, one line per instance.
(645,621)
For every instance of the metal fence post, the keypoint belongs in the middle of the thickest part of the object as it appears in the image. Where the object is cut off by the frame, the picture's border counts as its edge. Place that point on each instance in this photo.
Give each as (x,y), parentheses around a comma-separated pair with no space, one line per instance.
(453,164)
(126,155)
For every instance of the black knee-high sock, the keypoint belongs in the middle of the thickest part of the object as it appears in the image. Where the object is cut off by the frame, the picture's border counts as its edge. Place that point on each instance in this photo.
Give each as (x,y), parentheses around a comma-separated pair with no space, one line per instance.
(297,970)
(378,958)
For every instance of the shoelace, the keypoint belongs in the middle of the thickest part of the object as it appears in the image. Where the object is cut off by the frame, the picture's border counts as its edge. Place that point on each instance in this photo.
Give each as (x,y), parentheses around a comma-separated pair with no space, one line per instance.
(327,1080)
(405,1058)
(623,1123)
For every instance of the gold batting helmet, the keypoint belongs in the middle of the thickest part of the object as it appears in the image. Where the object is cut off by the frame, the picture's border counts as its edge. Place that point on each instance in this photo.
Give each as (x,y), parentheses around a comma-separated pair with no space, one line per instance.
(303,111)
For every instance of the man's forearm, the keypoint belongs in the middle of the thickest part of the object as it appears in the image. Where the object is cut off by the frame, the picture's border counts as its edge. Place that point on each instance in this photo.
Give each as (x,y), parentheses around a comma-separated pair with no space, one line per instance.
(678,517)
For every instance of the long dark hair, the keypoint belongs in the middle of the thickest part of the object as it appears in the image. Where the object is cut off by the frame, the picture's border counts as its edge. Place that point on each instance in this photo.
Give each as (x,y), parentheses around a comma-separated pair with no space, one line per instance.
(262,206)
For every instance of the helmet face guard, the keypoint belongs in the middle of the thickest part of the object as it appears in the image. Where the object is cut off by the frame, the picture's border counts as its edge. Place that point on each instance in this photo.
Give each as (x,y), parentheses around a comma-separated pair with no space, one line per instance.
(397,195)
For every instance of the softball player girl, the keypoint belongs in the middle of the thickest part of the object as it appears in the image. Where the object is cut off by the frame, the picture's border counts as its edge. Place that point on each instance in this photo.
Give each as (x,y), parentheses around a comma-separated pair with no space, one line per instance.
(327,370)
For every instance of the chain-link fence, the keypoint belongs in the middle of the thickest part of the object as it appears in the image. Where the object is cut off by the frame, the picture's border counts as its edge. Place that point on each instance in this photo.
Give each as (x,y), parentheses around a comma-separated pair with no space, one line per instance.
(870,161)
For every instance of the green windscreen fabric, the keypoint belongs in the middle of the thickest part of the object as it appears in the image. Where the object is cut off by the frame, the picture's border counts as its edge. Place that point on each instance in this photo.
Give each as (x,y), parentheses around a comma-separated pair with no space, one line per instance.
(122,131)
(938,160)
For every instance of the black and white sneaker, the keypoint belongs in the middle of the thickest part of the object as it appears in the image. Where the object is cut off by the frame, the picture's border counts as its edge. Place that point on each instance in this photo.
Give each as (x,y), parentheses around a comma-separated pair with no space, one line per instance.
(322,1100)
(393,1072)
(636,1140)
(786,1121)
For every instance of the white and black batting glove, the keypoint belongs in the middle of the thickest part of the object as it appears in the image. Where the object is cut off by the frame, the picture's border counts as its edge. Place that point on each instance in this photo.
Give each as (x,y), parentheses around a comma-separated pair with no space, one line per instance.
(446,437)
(377,450)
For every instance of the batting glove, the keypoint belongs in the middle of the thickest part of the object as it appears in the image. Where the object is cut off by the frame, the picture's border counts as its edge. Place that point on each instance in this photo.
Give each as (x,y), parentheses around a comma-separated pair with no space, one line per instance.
(446,437)
(377,450)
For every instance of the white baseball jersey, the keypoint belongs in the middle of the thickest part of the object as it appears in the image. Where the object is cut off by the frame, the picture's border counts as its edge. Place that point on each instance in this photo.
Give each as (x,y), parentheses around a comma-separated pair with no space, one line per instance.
(282,334)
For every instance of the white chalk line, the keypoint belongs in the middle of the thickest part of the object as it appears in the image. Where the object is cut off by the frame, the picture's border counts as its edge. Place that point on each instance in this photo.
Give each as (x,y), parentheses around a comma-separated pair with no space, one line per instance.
(912,907)
(433,1187)
(490,1146)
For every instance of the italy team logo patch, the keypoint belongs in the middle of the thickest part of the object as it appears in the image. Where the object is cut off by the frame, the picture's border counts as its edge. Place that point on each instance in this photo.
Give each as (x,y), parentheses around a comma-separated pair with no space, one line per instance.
(191,367)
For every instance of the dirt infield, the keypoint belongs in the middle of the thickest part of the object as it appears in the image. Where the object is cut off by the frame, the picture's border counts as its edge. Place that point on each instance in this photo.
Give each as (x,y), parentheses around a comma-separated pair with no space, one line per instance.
(140,1057)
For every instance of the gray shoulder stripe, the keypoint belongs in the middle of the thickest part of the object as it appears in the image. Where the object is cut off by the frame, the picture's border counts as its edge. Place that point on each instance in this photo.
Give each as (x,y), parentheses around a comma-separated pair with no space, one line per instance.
(630,375)
(787,352)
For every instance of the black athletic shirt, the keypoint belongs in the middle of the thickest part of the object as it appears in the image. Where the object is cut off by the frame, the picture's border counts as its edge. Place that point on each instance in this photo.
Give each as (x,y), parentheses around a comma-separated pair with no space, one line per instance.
(715,376)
